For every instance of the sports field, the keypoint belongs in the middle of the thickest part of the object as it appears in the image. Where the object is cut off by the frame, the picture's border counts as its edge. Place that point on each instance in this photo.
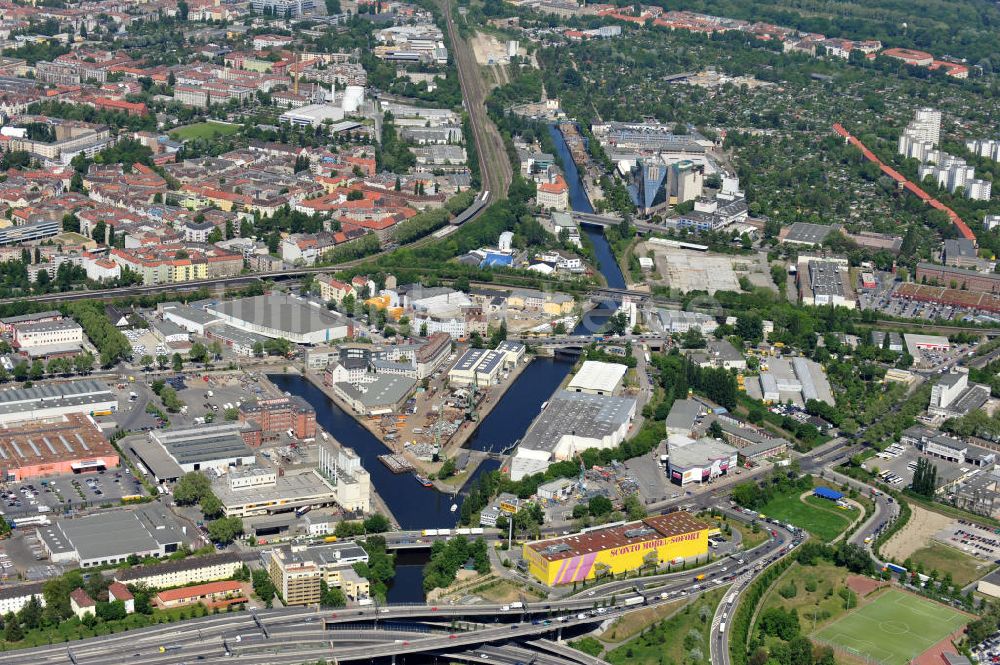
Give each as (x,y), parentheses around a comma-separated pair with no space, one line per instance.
(892,629)
(204,130)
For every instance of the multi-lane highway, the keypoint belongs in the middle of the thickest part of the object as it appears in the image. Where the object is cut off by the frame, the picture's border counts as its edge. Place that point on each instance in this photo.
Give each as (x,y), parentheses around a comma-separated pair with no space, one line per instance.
(294,635)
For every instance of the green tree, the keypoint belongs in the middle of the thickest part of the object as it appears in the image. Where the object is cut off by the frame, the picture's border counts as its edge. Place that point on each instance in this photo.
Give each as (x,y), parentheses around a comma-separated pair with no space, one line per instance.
(331,596)
(600,506)
(191,488)
(211,506)
(225,529)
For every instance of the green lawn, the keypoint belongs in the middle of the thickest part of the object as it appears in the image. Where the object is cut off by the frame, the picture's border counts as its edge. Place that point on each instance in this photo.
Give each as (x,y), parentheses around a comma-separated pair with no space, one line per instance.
(964,568)
(815,598)
(892,629)
(820,517)
(750,538)
(673,640)
(203,130)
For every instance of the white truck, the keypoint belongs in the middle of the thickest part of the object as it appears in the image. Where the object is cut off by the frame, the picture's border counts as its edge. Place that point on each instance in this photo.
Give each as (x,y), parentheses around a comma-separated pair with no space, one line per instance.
(634,600)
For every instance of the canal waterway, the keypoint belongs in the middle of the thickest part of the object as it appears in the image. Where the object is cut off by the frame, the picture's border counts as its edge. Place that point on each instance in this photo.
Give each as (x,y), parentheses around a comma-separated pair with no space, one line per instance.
(579,201)
(418,507)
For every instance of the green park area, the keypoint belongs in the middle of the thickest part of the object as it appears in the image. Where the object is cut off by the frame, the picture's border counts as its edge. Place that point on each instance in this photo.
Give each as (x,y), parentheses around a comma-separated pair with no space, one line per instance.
(963,568)
(203,130)
(895,627)
(682,638)
(820,517)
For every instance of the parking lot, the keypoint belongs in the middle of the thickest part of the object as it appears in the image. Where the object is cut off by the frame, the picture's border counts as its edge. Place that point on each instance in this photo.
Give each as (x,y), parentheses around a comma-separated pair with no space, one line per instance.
(884,298)
(59,494)
(973,539)
(145,343)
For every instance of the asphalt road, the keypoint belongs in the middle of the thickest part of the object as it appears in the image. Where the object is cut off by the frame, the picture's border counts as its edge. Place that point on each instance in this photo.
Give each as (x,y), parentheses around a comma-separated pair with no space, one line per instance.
(295,635)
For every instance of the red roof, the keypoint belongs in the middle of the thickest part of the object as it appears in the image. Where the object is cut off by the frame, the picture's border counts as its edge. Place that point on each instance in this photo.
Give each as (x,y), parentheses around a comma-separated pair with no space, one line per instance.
(80,597)
(199,590)
(119,591)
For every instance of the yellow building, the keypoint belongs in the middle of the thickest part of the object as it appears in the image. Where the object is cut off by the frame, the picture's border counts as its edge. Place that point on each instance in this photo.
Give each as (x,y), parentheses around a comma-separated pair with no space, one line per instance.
(186,270)
(583,556)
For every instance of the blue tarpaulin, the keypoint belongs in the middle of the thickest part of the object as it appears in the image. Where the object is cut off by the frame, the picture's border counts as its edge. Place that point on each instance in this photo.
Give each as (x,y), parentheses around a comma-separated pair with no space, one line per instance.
(827,493)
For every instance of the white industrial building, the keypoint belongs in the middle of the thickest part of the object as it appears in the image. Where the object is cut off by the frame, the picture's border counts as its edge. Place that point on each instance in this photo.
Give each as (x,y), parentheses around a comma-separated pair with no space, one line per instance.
(216,447)
(312,115)
(954,396)
(282,316)
(111,537)
(55,399)
(41,334)
(569,424)
(597,378)
(690,461)
(800,380)
(342,467)
(479,367)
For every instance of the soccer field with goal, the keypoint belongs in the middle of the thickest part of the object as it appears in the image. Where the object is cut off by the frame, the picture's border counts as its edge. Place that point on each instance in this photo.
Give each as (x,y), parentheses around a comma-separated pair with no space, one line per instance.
(892,629)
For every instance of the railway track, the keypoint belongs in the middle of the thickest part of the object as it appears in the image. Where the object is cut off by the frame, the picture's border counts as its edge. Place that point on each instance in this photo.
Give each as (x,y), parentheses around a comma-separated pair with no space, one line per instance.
(494,166)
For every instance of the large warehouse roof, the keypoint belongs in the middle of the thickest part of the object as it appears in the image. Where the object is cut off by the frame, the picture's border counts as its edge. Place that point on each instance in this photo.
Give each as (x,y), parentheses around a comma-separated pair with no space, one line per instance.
(203,444)
(597,377)
(578,414)
(597,540)
(74,437)
(112,533)
(50,395)
(281,312)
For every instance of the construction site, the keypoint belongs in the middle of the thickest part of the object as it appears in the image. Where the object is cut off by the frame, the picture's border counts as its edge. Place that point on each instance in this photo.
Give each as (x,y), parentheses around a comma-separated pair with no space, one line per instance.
(434,424)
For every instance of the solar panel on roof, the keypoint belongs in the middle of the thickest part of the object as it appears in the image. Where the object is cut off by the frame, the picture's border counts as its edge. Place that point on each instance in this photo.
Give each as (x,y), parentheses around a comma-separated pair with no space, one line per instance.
(69,448)
(82,442)
(31,443)
(639,532)
(48,443)
(555,549)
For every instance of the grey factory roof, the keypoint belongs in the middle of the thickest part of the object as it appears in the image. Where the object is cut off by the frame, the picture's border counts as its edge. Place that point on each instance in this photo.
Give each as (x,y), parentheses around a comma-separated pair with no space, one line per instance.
(228,333)
(699,454)
(973,398)
(188,563)
(112,533)
(384,390)
(289,488)
(27,318)
(203,444)
(580,414)
(192,314)
(490,361)
(804,232)
(469,360)
(827,278)
(155,458)
(71,393)
(46,326)
(280,312)
(168,328)
(682,414)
